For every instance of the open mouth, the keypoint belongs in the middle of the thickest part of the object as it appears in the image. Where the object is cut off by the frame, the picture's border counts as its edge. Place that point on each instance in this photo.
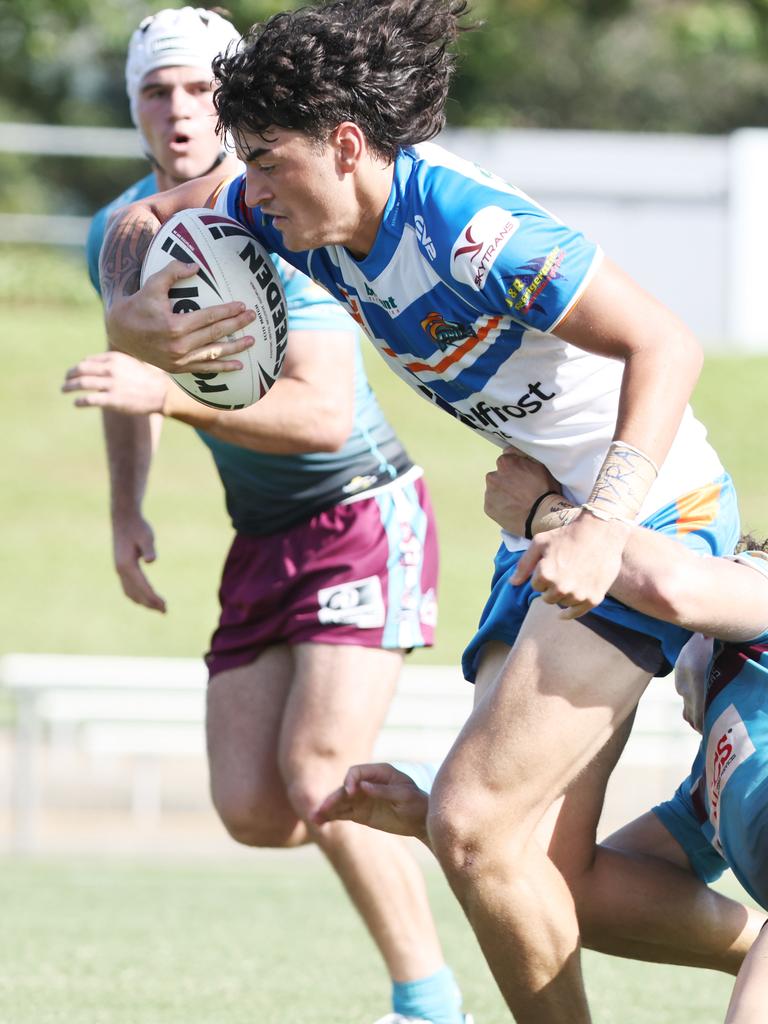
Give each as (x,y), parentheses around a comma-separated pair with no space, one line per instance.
(179,141)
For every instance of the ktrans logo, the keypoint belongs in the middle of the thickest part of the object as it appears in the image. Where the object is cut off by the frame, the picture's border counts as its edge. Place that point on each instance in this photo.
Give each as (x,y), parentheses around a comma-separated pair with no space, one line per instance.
(445,332)
(475,251)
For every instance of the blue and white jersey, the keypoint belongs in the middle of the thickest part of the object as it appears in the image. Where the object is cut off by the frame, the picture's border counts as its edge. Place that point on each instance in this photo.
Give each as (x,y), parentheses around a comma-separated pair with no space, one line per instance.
(466,283)
(267,493)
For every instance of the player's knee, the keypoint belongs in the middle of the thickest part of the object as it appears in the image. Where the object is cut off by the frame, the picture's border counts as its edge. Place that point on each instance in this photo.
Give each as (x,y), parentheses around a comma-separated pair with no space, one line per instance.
(464,834)
(258,822)
(308,786)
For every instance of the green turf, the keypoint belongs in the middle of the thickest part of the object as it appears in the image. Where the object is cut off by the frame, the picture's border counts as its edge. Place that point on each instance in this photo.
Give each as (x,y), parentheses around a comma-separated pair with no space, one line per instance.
(271,942)
(55,545)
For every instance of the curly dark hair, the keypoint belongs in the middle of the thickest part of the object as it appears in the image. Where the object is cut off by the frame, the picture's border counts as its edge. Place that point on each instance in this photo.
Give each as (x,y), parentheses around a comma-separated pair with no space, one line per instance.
(748,542)
(383,64)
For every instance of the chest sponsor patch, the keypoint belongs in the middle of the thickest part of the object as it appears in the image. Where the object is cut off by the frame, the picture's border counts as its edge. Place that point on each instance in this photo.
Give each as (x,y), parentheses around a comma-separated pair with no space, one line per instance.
(476,249)
(728,746)
(355,603)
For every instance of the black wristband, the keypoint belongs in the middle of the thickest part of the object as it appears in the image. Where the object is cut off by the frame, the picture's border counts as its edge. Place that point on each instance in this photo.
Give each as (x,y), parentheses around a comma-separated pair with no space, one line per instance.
(534,509)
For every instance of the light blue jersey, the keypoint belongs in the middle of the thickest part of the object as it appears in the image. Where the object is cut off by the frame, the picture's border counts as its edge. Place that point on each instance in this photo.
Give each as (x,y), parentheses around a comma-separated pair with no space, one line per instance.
(466,282)
(719,814)
(266,493)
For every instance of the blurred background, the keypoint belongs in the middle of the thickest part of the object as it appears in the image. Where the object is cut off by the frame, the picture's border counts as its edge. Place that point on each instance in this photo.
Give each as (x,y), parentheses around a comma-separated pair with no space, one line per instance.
(642,122)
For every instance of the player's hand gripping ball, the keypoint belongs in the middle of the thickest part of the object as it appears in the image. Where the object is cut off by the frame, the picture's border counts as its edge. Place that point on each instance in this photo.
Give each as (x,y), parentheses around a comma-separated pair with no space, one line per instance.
(233,267)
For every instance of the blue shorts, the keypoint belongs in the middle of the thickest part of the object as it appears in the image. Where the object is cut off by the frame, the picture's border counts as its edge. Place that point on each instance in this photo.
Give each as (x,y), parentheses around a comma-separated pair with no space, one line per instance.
(719,814)
(706,521)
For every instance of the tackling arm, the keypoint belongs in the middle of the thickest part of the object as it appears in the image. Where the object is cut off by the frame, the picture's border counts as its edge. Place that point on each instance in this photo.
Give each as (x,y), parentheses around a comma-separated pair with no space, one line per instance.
(657,576)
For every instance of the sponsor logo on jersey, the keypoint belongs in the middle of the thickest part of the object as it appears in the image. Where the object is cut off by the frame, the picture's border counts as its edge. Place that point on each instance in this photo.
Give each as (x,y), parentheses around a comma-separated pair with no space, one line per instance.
(531,282)
(728,746)
(423,236)
(476,249)
(390,304)
(445,332)
(490,419)
(356,603)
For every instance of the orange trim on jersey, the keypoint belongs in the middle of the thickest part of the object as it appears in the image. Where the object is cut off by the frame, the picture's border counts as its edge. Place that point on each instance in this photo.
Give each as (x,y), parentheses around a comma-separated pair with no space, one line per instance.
(210,202)
(699,508)
(460,352)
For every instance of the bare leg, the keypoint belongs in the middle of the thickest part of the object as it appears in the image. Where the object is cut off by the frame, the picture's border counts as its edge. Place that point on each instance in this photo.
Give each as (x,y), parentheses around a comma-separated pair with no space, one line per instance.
(636,895)
(749,1002)
(338,702)
(282,732)
(561,695)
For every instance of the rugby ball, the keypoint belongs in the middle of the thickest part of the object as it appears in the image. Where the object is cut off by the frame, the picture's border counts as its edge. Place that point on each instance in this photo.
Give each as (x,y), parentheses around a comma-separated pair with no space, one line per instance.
(233,267)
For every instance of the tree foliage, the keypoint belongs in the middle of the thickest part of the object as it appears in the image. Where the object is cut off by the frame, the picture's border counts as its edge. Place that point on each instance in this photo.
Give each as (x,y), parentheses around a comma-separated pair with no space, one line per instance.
(651,65)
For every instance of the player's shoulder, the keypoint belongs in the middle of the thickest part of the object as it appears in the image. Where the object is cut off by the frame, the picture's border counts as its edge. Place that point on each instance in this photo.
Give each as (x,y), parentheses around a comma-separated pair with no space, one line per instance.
(449,192)
(147,186)
(483,234)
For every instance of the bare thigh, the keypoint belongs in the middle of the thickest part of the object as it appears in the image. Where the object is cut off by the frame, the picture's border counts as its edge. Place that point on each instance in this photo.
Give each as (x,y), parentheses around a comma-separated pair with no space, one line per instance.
(244,718)
(560,696)
(339,699)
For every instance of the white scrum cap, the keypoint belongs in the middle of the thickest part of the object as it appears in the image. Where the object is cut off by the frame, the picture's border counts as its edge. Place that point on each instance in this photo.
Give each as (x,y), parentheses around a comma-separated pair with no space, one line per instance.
(189,37)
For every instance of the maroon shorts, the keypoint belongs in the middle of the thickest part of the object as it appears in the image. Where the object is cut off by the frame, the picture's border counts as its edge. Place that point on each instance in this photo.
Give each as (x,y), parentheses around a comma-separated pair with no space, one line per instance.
(362,572)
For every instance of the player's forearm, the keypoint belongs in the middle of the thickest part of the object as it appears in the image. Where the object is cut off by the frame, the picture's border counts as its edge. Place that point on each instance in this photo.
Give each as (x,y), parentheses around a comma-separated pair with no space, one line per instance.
(661,578)
(128,237)
(130,442)
(292,419)
(657,384)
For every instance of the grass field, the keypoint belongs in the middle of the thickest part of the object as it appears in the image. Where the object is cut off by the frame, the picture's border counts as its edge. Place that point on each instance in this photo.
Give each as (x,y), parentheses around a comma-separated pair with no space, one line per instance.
(55,545)
(268,943)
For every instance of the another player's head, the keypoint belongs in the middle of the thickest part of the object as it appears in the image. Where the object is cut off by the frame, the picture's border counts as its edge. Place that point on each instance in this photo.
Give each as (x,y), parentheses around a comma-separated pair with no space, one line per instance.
(748,542)
(169,80)
(331,89)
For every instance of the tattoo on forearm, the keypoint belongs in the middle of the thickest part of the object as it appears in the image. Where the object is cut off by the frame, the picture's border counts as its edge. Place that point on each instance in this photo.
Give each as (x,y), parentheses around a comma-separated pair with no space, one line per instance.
(623,482)
(122,255)
(558,511)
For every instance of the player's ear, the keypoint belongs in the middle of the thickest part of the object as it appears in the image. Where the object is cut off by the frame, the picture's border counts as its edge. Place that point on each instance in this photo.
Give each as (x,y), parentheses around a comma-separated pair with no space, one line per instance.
(349,145)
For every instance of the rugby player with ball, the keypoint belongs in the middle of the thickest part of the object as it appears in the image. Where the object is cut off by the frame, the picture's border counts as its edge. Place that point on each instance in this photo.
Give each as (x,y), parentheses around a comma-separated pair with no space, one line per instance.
(550,348)
(332,572)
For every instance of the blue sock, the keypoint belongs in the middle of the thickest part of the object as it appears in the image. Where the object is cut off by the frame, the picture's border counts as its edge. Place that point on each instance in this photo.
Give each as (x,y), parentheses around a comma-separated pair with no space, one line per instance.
(436,999)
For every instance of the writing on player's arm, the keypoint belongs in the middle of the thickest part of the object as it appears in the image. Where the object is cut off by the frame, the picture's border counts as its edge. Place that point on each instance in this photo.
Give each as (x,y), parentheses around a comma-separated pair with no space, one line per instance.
(615,318)
(138,320)
(310,408)
(657,576)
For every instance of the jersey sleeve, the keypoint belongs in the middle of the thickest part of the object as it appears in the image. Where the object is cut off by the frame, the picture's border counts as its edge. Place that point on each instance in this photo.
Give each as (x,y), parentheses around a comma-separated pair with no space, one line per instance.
(505,253)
